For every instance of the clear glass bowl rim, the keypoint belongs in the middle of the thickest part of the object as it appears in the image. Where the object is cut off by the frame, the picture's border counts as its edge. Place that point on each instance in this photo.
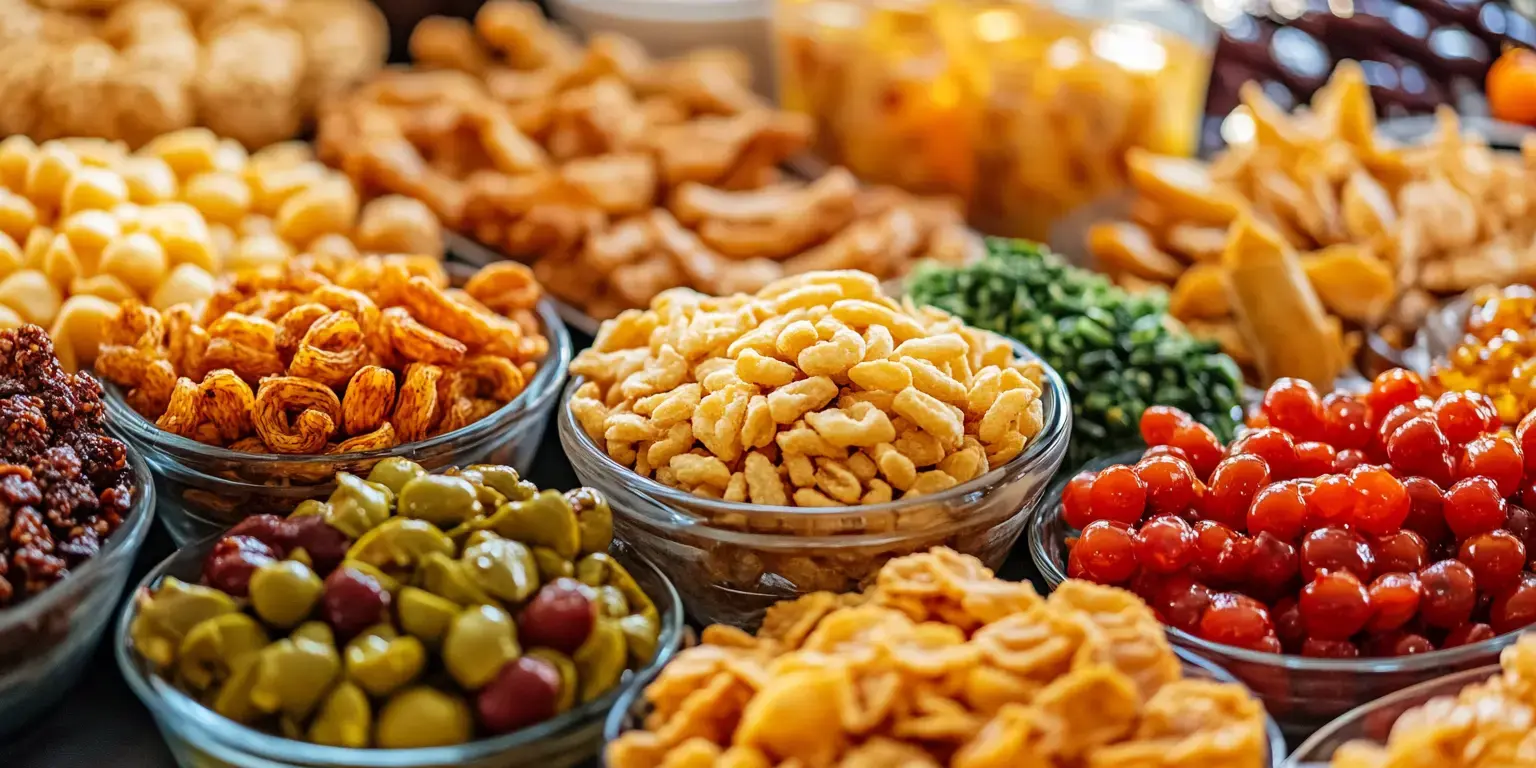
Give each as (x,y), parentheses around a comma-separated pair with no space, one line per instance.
(1040,555)
(546,384)
(613,726)
(1051,440)
(168,702)
(1328,732)
(124,541)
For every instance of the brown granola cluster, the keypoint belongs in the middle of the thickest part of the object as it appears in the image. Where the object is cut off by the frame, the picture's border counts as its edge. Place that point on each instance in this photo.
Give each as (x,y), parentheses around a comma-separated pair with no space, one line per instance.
(65,485)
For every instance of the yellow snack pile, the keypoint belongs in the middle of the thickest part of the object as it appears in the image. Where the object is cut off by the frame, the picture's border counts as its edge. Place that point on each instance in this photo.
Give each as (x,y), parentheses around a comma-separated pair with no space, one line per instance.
(1497,354)
(815,391)
(942,664)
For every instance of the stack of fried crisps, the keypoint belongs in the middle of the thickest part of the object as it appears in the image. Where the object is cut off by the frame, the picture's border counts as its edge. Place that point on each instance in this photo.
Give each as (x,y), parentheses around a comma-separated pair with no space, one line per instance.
(617,176)
(942,664)
(1372,231)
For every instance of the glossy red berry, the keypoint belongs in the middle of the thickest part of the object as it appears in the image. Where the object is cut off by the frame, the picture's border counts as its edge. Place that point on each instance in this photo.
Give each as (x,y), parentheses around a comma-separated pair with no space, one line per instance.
(1467,634)
(1496,558)
(1346,422)
(1159,422)
(1279,510)
(1406,644)
(1118,494)
(1234,483)
(1461,417)
(1221,554)
(1181,601)
(1105,553)
(1332,501)
(1077,501)
(1200,444)
(1514,607)
(1403,552)
(1394,601)
(1392,388)
(1166,450)
(1400,415)
(1273,565)
(1334,606)
(1287,619)
(1165,544)
(1238,620)
(1170,485)
(1318,648)
(1274,446)
(1525,437)
(1449,594)
(1381,502)
(1294,406)
(1473,506)
(1417,447)
(1426,514)
(1334,550)
(1348,459)
(1496,457)
(1313,459)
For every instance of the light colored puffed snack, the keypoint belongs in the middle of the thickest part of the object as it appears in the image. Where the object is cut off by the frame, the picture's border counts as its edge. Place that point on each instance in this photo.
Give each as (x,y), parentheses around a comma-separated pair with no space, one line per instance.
(85,224)
(816,391)
(943,664)
(1487,724)
(328,354)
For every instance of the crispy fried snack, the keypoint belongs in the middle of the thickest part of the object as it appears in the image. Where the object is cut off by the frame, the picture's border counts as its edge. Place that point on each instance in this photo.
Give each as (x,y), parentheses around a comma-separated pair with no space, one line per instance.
(305,358)
(570,158)
(942,664)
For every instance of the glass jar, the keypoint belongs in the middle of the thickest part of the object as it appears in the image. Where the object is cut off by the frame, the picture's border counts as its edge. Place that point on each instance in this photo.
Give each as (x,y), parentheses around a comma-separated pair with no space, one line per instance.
(1023,109)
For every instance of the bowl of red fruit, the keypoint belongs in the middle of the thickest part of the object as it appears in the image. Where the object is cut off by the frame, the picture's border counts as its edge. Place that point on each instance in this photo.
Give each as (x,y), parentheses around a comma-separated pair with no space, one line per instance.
(1342,547)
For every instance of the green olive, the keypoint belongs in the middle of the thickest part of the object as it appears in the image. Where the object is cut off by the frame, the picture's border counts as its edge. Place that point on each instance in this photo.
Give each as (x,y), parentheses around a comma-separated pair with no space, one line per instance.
(393,473)
(600,661)
(399,543)
(285,592)
(504,569)
(356,506)
(569,679)
(489,497)
(293,676)
(479,642)
(425,615)
(641,633)
(594,517)
(447,578)
(611,602)
(383,665)
(309,507)
(442,500)
(389,493)
(345,718)
(169,612)
(506,481)
(388,582)
(551,565)
(315,632)
(546,520)
(423,717)
(215,646)
(599,569)
(233,699)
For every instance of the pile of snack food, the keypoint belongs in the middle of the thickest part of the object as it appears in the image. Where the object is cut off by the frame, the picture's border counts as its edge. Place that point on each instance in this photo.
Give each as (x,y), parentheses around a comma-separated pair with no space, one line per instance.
(616,175)
(941,663)
(85,224)
(1495,355)
(135,69)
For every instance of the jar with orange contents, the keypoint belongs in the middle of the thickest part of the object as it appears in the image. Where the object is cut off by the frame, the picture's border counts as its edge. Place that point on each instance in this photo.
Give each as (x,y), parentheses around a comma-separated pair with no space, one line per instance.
(1497,353)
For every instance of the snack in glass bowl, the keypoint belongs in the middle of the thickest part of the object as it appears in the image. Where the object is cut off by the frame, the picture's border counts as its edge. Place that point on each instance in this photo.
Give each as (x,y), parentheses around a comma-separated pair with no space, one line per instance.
(1496,354)
(407,611)
(941,663)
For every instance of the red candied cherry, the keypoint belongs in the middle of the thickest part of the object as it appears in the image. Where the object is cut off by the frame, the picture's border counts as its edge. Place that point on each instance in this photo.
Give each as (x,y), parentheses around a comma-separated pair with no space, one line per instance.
(1238,620)
(1104,553)
(1200,444)
(1426,516)
(1394,601)
(1166,450)
(1332,501)
(1165,544)
(267,529)
(526,691)
(560,616)
(353,601)
(1294,406)
(1181,601)
(1348,459)
(1467,634)
(1334,550)
(1287,619)
(1473,506)
(1319,648)
(1418,447)
(1076,500)
(1313,459)
(1118,494)
(1514,607)
(1346,421)
(1393,388)
(1525,436)
(1381,503)
(1170,485)
(1403,551)
(1269,644)
(1159,422)
(1274,446)
(1496,457)
(1400,644)
(233,560)
(1233,485)
(1521,522)
(1279,510)
(1334,606)
(1461,417)
(1449,594)
(1221,554)
(1402,414)
(1272,566)
(1496,559)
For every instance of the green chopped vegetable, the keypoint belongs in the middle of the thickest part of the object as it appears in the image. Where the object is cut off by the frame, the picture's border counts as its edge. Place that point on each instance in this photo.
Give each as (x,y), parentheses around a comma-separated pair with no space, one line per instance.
(1117,352)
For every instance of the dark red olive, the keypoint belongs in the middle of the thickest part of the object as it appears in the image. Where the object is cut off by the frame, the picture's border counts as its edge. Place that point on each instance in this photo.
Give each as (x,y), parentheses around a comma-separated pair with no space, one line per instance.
(526,691)
(268,529)
(325,545)
(354,601)
(559,617)
(229,566)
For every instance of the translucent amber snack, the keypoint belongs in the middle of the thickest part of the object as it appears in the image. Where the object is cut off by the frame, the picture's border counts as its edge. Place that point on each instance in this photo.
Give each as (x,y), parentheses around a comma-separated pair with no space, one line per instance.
(940,663)
(1498,354)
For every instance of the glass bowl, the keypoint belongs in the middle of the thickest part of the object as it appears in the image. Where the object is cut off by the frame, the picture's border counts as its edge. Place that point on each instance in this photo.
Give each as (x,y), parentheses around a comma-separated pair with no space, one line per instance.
(199,738)
(205,489)
(731,560)
(1301,693)
(629,712)
(1374,721)
(47,641)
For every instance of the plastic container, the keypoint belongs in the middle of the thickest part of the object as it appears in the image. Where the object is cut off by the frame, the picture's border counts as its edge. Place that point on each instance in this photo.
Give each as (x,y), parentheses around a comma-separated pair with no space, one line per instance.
(47,641)
(1301,693)
(200,738)
(1024,109)
(205,489)
(673,27)
(629,712)
(731,560)
(1374,721)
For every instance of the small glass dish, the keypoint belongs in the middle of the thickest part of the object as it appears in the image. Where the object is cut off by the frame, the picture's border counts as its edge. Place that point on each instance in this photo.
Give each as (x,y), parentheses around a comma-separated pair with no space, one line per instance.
(629,712)
(205,489)
(1301,693)
(1373,722)
(731,560)
(200,738)
(47,641)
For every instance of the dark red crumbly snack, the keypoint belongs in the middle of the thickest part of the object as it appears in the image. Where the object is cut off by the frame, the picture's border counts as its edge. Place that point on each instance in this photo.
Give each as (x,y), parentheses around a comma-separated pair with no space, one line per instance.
(65,486)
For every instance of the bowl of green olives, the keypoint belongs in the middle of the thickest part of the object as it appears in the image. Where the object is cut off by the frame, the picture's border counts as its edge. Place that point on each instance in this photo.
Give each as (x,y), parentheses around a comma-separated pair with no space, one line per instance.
(409,620)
